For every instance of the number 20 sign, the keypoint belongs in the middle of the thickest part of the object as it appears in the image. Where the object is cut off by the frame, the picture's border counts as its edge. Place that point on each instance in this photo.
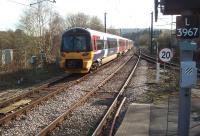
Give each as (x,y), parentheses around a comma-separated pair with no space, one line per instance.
(165,55)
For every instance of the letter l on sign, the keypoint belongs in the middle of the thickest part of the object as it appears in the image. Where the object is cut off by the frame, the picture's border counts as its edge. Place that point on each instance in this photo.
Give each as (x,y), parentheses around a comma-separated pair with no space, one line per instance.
(186,22)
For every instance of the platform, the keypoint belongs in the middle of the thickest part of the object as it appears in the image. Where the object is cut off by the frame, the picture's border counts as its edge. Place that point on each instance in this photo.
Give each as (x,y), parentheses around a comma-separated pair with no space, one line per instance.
(160,119)
(136,121)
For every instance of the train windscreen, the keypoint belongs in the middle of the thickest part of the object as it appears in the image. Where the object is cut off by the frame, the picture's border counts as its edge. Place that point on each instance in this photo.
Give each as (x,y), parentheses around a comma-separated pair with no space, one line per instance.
(75,43)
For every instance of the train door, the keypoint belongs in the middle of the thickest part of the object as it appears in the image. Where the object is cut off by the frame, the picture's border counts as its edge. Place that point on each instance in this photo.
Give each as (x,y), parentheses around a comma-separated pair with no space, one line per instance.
(118,46)
(112,46)
(94,46)
(97,52)
(105,47)
(126,48)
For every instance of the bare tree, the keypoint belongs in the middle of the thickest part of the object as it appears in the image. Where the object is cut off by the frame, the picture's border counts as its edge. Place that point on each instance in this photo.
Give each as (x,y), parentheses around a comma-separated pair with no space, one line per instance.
(112,30)
(57,24)
(35,22)
(96,24)
(56,27)
(86,21)
(77,20)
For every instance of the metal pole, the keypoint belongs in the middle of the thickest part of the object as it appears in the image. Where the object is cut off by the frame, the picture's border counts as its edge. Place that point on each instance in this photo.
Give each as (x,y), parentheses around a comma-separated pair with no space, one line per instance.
(186,56)
(184,111)
(157,65)
(105,22)
(151,31)
(171,32)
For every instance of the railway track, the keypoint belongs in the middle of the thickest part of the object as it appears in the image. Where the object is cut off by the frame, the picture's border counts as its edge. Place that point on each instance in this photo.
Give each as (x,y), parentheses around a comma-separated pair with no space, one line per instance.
(167,64)
(73,88)
(22,103)
(16,106)
(93,96)
(35,90)
(154,60)
(117,103)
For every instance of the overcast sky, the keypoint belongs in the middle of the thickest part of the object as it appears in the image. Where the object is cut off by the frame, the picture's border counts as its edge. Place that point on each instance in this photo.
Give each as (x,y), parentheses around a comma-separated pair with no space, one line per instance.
(120,13)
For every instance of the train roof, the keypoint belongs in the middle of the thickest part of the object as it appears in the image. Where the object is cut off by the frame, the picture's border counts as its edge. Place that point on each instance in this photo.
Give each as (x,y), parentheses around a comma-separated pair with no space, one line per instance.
(101,34)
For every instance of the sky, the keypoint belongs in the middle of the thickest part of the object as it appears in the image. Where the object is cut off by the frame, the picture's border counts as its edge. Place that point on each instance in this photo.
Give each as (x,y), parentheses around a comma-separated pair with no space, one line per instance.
(120,13)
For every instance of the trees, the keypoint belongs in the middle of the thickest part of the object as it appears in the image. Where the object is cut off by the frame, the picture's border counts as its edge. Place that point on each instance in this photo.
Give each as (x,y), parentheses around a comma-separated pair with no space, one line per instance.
(40,29)
(96,24)
(34,22)
(83,20)
(77,20)
(112,30)
(53,37)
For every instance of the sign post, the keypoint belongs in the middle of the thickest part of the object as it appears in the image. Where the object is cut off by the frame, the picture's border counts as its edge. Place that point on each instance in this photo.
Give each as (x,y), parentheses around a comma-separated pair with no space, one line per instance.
(187,28)
(165,55)
(157,65)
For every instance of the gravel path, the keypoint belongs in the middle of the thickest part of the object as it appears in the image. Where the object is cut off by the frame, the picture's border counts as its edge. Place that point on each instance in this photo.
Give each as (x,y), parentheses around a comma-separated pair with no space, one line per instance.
(137,85)
(42,115)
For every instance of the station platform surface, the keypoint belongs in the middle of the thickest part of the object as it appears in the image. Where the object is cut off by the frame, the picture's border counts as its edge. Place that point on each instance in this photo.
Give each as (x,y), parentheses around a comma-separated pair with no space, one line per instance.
(136,121)
(159,119)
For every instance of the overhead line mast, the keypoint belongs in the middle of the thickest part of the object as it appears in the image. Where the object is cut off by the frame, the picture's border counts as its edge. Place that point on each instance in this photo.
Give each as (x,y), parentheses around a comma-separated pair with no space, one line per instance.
(105,21)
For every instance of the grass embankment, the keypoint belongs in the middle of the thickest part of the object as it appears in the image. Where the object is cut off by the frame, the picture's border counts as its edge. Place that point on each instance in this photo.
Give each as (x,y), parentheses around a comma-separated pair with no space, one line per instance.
(157,92)
(28,77)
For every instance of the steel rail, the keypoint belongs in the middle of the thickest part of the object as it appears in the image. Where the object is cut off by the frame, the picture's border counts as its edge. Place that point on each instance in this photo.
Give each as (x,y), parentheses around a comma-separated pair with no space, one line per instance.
(104,119)
(153,60)
(44,86)
(8,117)
(29,93)
(116,116)
(32,104)
(61,118)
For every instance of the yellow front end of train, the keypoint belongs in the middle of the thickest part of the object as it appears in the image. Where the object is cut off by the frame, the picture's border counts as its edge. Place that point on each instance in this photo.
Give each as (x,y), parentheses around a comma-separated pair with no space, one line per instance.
(76,62)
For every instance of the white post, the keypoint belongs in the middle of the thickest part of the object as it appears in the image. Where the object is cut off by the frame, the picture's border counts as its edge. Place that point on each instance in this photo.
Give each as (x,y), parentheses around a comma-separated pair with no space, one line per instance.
(157,66)
(164,70)
(157,72)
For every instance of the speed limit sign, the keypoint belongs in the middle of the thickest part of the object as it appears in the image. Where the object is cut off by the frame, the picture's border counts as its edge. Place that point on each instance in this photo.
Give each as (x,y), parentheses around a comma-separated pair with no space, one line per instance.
(165,55)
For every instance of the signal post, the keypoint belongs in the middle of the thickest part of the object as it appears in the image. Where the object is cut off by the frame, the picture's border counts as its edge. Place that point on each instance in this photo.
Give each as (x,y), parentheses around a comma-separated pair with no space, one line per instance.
(187,28)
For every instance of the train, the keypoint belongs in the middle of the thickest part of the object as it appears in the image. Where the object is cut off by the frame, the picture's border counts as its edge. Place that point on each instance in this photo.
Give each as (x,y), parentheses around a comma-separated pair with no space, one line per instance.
(84,49)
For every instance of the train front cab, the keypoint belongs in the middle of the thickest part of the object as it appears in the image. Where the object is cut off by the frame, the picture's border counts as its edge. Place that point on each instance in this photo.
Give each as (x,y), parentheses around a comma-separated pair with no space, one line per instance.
(76,51)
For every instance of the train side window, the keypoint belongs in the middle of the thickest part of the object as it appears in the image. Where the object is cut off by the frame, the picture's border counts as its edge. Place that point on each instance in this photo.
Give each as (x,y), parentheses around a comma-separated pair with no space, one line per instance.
(112,43)
(100,44)
(120,43)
